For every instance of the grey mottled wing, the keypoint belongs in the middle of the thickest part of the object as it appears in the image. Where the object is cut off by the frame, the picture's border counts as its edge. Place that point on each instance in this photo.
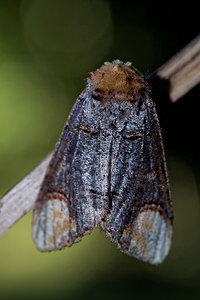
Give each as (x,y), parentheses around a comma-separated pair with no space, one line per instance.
(62,213)
(108,169)
(140,220)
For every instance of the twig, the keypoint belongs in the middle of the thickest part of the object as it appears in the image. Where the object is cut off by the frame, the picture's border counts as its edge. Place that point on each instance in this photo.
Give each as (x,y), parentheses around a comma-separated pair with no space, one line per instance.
(20,199)
(181,72)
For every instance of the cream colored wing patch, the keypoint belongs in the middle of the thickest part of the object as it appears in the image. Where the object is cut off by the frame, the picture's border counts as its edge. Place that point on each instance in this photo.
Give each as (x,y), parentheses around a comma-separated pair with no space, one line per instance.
(150,237)
(51,225)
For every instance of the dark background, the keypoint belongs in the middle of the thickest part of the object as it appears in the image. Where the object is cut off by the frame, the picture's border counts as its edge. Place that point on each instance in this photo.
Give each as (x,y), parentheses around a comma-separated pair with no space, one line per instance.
(47,49)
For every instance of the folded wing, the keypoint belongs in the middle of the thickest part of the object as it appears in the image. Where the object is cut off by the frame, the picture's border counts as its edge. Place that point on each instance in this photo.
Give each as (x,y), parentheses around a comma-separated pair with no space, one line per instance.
(141,218)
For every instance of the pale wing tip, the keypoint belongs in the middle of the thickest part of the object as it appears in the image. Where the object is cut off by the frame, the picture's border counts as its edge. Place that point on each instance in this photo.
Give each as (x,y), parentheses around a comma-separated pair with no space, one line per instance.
(50,228)
(150,237)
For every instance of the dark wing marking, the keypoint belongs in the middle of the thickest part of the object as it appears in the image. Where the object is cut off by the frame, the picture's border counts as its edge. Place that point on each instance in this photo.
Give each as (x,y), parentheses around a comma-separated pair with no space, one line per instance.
(60,214)
(141,218)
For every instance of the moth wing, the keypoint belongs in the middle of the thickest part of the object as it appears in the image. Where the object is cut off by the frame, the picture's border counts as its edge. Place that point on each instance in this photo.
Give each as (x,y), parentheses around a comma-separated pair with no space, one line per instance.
(141,218)
(57,212)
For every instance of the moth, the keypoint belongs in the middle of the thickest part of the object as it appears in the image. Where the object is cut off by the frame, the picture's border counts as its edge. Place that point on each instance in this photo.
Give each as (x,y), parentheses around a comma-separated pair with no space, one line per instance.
(108,170)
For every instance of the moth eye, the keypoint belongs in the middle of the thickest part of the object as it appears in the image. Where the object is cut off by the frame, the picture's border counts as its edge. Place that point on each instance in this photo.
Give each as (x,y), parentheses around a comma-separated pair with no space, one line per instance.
(132,135)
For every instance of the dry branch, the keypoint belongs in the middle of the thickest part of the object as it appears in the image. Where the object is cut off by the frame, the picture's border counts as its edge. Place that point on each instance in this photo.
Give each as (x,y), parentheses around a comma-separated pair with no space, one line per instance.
(181,72)
(20,199)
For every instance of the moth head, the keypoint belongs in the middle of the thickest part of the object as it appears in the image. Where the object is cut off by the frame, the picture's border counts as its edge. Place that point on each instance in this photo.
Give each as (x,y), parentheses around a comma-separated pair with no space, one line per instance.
(116,80)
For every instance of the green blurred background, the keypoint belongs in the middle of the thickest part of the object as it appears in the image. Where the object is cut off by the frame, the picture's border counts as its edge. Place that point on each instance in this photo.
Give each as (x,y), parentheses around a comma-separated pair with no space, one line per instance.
(47,49)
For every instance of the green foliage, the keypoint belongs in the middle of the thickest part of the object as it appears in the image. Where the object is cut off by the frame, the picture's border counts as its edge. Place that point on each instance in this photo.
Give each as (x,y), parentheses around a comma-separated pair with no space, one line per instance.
(46,50)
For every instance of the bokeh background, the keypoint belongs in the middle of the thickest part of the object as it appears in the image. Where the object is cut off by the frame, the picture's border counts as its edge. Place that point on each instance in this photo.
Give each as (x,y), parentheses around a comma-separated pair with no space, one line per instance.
(47,48)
